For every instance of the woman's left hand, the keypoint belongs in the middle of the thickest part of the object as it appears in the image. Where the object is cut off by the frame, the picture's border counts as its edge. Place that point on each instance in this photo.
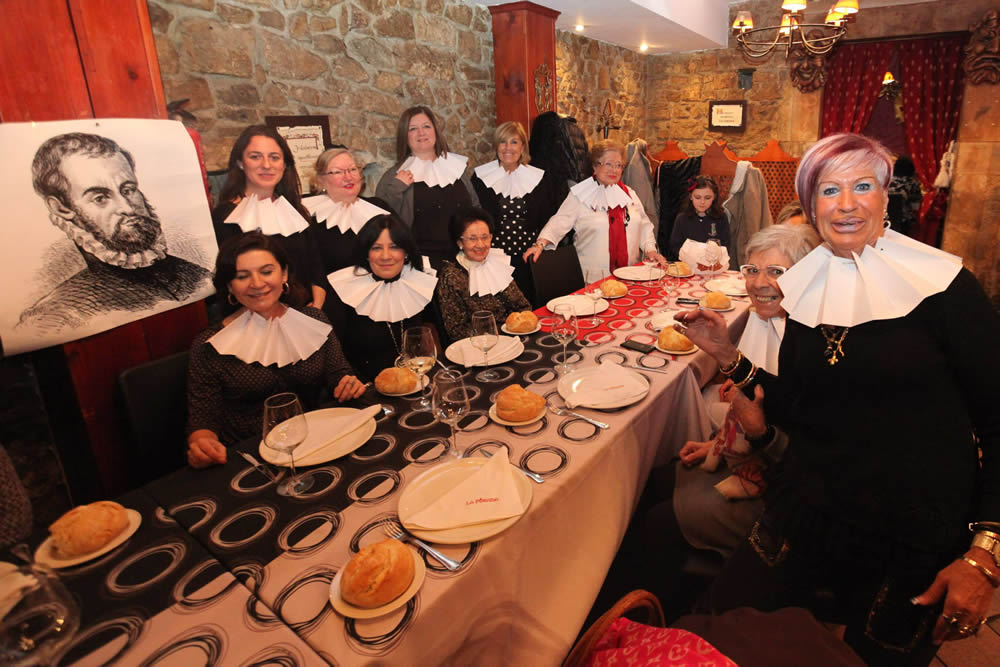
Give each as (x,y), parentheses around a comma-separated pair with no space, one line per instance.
(967,595)
(660,259)
(348,388)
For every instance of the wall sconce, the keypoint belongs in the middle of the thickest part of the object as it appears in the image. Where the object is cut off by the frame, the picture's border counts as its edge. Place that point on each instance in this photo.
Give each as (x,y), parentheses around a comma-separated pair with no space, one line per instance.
(606,119)
(890,87)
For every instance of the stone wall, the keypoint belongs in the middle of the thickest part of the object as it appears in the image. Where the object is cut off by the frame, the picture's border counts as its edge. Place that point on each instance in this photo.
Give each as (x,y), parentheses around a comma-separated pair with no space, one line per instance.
(360,63)
(589,72)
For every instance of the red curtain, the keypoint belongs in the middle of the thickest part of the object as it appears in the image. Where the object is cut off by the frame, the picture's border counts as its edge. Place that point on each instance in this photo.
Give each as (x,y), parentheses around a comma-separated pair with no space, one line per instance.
(853,81)
(933,81)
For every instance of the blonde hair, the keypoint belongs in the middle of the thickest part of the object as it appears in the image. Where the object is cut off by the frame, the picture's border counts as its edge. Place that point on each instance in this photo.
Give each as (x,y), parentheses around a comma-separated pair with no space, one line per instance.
(509,130)
(603,146)
(327,156)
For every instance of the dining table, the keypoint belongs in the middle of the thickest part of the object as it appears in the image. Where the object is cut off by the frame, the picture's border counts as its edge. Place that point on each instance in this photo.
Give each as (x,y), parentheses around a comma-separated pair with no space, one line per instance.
(253,569)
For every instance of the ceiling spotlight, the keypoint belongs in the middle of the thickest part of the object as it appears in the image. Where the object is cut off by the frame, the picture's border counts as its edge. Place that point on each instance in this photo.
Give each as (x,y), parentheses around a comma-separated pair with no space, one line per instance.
(644,47)
(579,27)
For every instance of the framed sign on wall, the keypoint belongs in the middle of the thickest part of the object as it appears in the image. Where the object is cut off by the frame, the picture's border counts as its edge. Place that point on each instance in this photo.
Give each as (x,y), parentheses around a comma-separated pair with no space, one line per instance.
(727,115)
(307,137)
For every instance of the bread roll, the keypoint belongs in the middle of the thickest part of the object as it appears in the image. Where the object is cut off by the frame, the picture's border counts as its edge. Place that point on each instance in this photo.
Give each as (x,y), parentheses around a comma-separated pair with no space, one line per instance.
(377,575)
(396,381)
(521,322)
(716,300)
(678,269)
(87,528)
(516,404)
(671,339)
(614,288)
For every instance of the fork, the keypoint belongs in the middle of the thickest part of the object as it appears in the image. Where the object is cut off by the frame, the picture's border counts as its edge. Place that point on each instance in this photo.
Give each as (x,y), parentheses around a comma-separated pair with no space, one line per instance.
(395,531)
(530,475)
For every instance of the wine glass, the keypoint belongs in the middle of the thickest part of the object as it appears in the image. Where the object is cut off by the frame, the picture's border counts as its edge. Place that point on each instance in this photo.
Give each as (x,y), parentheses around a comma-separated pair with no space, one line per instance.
(419,355)
(484,337)
(649,259)
(594,293)
(564,331)
(285,428)
(42,623)
(450,401)
(713,255)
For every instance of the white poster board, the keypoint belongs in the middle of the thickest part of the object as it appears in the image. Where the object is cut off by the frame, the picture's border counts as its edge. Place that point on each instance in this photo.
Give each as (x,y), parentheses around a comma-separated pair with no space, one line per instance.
(107,223)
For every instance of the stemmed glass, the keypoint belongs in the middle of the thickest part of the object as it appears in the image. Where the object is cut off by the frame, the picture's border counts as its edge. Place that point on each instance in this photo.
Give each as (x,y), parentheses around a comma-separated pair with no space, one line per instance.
(713,255)
(419,355)
(450,401)
(565,330)
(42,623)
(649,259)
(595,294)
(285,428)
(484,337)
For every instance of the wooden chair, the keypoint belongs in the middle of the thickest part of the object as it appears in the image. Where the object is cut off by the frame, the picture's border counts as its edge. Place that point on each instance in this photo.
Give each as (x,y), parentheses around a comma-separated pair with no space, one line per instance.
(638,599)
(556,273)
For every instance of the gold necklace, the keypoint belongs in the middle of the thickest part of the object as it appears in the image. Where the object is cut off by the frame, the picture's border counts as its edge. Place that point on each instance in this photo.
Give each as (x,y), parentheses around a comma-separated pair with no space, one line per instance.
(834,340)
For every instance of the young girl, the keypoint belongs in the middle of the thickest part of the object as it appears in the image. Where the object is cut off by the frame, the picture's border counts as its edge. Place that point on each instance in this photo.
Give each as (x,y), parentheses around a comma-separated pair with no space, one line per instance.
(702,210)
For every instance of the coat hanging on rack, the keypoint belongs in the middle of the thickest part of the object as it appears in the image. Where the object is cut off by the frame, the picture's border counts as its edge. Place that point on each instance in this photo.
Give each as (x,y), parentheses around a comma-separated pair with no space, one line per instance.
(639,177)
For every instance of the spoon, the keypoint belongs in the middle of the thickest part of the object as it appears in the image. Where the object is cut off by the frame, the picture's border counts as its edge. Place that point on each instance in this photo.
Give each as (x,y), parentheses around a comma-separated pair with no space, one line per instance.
(562,412)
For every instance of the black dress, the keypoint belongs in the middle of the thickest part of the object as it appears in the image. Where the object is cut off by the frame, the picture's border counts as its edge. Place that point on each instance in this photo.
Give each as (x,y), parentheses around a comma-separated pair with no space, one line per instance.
(690,226)
(335,247)
(457,305)
(433,208)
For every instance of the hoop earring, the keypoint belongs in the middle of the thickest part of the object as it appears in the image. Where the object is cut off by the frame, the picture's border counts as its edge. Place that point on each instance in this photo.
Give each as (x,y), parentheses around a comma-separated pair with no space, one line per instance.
(232,300)
(886,222)
(284,287)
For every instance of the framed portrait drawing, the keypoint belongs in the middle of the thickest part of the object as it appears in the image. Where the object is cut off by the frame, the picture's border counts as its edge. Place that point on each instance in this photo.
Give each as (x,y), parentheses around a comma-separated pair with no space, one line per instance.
(727,115)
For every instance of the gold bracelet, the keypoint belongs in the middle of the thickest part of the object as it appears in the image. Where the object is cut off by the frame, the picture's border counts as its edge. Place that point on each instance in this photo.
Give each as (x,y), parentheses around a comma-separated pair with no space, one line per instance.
(748,379)
(728,370)
(992,576)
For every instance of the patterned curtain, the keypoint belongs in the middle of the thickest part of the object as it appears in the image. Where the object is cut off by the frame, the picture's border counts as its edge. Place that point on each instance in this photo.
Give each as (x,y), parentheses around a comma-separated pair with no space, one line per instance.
(933,81)
(853,81)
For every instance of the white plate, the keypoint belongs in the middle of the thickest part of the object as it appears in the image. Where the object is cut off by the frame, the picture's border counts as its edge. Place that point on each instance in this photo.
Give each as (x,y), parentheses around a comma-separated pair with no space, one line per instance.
(504,329)
(437,481)
(495,417)
(701,303)
(512,353)
(676,352)
(424,381)
(728,286)
(638,273)
(582,305)
(568,382)
(46,553)
(323,427)
(344,608)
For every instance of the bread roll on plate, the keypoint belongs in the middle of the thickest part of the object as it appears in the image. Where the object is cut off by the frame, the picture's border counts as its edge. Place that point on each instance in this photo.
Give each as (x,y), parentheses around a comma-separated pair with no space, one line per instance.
(671,339)
(521,322)
(396,381)
(614,288)
(716,301)
(678,269)
(516,404)
(87,528)
(377,575)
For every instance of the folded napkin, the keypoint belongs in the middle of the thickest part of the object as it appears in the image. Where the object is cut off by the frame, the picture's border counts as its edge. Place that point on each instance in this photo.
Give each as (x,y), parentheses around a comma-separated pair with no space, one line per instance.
(505,183)
(384,300)
(469,355)
(345,217)
(281,340)
(599,197)
(489,494)
(332,431)
(490,276)
(612,384)
(697,256)
(276,217)
(13,586)
(441,171)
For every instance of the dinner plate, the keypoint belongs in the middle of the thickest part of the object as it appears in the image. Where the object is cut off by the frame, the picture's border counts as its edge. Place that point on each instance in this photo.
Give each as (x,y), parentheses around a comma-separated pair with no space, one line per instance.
(676,352)
(46,552)
(638,273)
(496,417)
(453,354)
(424,381)
(570,384)
(437,481)
(582,305)
(728,286)
(345,608)
(504,329)
(323,426)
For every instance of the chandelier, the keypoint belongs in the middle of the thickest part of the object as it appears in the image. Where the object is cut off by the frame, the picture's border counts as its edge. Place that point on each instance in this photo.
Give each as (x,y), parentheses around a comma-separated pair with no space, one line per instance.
(791,33)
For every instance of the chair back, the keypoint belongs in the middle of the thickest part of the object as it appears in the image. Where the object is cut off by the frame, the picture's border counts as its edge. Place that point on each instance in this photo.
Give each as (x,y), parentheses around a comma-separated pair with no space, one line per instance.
(556,273)
(637,599)
(155,407)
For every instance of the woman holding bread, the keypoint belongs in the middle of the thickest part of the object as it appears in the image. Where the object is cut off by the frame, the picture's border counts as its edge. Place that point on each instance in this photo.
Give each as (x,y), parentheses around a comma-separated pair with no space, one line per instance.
(887,393)
(428,184)
(233,369)
(382,293)
(521,198)
(612,229)
(480,277)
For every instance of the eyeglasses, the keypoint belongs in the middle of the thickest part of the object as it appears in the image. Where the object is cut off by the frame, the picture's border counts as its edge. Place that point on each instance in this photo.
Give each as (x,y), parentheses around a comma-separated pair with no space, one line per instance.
(771,271)
(611,165)
(477,239)
(337,173)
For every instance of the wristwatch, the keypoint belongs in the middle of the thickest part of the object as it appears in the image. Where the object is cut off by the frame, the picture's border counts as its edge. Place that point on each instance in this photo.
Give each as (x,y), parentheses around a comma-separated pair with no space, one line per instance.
(989,541)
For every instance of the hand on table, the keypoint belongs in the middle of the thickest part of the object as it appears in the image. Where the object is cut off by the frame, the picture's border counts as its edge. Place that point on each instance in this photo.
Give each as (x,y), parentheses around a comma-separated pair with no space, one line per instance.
(405,175)
(967,595)
(348,388)
(693,452)
(707,329)
(204,449)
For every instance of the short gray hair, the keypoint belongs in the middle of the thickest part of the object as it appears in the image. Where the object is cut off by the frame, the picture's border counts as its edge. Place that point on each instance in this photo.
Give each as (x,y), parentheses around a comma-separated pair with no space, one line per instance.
(793,241)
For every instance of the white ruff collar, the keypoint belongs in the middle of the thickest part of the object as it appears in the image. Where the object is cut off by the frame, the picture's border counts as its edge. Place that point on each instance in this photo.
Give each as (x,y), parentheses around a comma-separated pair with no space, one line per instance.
(123,260)
(490,276)
(271,217)
(383,300)
(442,171)
(345,217)
(761,340)
(599,197)
(282,340)
(511,184)
(883,283)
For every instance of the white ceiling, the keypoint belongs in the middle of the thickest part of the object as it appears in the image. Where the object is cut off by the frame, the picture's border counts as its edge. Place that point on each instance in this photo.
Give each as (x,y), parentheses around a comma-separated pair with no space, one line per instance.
(667,26)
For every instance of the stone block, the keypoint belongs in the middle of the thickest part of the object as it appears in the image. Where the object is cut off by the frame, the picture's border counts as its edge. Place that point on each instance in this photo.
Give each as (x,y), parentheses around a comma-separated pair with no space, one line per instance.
(474,73)
(322,24)
(434,6)
(245,115)
(314,97)
(434,30)
(234,14)
(271,19)
(241,93)
(207,5)
(460,14)
(371,51)
(159,18)
(603,77)
(319,5)
(483,21)
(216,48)
(330,45)
(285,60)
(274,98)
(372,101)
(195,89)
(299,27)
(349,70)
(360,19)
(468,46)
(167,55)
(291,4)
(390,82)
(397,24)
